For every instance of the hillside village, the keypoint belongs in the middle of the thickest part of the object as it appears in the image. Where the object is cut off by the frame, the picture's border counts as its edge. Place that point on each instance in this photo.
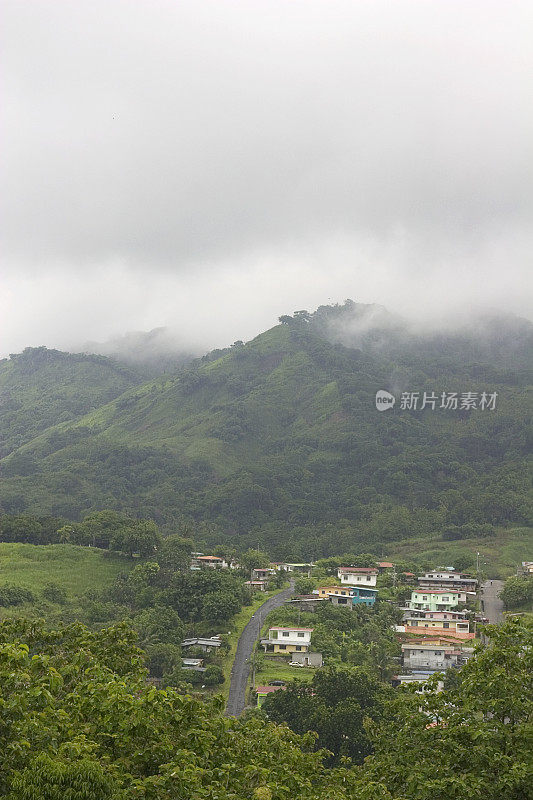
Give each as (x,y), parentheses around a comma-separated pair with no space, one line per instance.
(435,625)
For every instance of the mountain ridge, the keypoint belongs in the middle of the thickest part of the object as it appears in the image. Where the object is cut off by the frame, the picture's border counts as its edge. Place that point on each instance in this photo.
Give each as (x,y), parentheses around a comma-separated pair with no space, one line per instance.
(281,434)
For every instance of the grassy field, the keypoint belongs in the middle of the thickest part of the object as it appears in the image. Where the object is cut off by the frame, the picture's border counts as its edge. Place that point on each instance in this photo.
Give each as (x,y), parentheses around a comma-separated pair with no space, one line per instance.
(76,569)
(498,555)
(277,669)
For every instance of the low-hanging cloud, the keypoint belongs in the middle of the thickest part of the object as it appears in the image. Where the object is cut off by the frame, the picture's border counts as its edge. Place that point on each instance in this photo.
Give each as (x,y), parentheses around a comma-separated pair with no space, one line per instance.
(211,165)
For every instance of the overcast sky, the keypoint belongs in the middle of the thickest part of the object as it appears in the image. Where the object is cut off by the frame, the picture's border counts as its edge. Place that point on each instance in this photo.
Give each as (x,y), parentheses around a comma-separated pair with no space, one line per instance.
(210,165)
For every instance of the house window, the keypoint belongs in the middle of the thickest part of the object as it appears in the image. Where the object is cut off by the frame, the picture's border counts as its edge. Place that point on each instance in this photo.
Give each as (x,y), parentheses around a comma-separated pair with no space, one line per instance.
(424,597)
(298,646)
(445,624)
(285,633)
(368,577)
(301,635)
(282,646)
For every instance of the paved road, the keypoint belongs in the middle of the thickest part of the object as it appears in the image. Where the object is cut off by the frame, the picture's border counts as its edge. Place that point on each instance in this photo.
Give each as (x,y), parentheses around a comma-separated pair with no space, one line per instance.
(491,604)
(241,664)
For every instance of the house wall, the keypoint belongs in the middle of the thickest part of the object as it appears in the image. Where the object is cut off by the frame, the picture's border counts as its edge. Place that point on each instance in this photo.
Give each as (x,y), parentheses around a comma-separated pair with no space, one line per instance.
(354,579)
(288,647)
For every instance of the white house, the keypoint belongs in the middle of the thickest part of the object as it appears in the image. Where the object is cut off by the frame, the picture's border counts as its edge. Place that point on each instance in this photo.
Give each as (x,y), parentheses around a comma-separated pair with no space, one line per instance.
(213,562)
(447,580)
(357,576)
(287,640)
(303,568)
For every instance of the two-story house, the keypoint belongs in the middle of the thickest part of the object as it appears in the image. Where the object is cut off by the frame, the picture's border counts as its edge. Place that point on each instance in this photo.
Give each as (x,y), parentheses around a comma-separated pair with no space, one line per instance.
(447,579)
(435,599)
(442,621)
(433,654)
(348,596)
(287,640)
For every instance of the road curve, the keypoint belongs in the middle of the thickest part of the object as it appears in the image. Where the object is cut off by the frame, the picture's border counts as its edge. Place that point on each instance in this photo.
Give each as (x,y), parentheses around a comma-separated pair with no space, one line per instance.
(245,646)
(491,604)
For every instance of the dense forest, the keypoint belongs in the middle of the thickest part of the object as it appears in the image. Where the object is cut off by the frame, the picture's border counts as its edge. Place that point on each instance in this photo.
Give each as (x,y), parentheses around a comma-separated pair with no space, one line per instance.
(278,441)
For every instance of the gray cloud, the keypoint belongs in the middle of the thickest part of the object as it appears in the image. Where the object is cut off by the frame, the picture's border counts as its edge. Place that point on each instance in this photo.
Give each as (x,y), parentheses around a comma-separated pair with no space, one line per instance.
(211,165)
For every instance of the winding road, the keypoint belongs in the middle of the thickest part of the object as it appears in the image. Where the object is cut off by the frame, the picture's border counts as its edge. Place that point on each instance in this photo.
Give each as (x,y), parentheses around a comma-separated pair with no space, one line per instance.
(491,604)
(241,665)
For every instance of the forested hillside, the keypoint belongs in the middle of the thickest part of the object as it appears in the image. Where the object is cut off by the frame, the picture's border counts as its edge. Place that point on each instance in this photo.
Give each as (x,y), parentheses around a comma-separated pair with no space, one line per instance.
(40,388)
(279,441)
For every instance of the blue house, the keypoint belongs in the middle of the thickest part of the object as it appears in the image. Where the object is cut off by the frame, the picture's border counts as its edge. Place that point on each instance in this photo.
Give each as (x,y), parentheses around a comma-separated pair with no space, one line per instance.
(363,594)
(357,594)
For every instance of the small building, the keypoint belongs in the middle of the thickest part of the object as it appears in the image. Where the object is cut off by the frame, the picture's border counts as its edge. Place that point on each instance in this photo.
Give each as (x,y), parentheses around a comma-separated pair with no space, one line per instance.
(257,586)
(326,591)
(357,576)
(417,677)
(303,568)
(285,641)
(527,567)
(432,655)
(263,573)
(264,691)
(308,659)
(383,566)
(195,664)
(306,602)
(212,562)
(357,595)
(204,644)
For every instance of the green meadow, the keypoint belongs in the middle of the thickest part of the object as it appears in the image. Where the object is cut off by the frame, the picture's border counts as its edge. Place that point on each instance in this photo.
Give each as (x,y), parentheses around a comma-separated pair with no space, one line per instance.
(73,568)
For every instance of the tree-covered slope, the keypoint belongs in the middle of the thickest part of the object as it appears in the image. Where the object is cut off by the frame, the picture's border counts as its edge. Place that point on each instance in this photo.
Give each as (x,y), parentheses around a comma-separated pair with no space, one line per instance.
(280,440)
(40,388)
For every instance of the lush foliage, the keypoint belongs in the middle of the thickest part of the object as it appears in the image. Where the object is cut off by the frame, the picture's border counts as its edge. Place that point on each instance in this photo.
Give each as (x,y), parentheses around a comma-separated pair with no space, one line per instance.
(335,704)
(79,721)
(517,592)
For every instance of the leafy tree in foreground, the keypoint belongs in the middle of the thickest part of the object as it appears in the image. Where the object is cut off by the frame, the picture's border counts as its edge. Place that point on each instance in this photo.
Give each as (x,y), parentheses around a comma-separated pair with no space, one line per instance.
(78,721)
(334,705)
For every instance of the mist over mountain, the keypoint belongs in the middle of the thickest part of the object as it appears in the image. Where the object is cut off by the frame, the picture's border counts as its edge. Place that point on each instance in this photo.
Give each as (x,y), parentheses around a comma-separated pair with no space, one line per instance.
(156,351)
(480,336)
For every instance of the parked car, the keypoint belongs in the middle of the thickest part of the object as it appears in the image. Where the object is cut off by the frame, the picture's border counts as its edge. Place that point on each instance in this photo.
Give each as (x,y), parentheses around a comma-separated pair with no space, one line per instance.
(277,683)
(295,664)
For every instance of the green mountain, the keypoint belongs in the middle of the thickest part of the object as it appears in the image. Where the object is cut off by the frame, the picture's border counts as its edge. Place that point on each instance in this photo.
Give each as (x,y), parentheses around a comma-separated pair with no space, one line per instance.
(40,388)
(278,441)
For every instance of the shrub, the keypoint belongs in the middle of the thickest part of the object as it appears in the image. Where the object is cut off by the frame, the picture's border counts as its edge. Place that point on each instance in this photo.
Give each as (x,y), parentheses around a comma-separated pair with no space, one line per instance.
(11,595)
